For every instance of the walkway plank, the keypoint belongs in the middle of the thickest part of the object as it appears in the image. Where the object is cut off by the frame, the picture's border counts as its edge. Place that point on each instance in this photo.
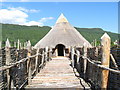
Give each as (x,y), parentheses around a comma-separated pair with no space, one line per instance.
(57,74)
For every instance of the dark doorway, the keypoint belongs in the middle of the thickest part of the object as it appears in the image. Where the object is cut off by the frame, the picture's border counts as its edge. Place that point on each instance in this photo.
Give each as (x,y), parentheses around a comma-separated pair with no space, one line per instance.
(60,49)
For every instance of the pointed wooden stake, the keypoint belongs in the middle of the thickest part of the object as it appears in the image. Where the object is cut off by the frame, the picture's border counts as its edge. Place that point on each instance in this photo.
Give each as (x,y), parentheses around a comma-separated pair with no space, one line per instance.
(105,42)
(18,44)
(28,45)
(14,44)
(8,43)
(85,55)
(8,60)
(25,45)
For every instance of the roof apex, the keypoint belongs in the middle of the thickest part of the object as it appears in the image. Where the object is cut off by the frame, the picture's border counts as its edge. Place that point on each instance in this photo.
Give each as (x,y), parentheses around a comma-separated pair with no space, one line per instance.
(62,18)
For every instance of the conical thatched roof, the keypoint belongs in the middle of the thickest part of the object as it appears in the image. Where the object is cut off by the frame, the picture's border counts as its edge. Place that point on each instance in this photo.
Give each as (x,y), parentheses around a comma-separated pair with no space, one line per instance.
(62,33)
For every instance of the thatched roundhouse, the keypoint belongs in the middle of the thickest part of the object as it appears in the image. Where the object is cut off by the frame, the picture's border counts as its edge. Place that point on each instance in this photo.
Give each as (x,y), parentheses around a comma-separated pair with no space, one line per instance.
(61,37)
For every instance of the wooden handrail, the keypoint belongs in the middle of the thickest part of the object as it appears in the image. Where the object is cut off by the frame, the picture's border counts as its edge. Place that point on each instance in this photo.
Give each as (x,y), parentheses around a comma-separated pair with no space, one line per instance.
(18,62)
(114,62)
(101,66)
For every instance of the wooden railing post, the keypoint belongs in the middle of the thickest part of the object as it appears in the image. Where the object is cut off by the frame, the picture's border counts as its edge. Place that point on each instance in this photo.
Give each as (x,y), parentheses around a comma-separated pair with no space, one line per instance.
(29,69)
(85,61)
(42,62)
(78,55)
(50,52)
(8,60)
(36,61)
(105,42)
(96,51)
(18,44)
(73,52)
(46,54)
(29,63)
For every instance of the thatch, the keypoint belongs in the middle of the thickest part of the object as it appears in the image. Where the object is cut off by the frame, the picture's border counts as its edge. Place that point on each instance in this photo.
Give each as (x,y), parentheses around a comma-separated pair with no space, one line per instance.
(62,33)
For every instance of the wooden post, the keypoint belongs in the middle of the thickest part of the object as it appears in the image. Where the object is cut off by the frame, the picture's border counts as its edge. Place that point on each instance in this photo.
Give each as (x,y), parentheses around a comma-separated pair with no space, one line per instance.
(96,53)
(42,62)
(8,60)
(46,54)
(50,54)
(64,52)
(36,61)
(29,63)
(8,56)
(15,44)
(85,55)
(25,45)
(92,43)
(114,62)
(105,42)
(56,52)
(78,55)
(29,69)
(28,45)
(73,52)
(18,44)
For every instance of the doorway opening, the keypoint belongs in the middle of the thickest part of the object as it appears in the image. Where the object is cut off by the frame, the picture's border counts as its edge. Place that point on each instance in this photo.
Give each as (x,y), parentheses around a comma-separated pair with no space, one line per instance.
(60,49)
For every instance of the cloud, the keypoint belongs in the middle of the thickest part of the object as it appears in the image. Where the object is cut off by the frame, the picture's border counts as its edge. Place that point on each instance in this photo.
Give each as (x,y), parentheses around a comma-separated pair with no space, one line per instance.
(39,22)
(45,19)
(19,16)
(2,0)
(12,16)
(30,23)
(24,0)
(24,9)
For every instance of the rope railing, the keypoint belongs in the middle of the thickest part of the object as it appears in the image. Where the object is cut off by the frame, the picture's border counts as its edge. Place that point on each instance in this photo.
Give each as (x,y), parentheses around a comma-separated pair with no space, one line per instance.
(101,66)
(24,69)
(93,70)
(20,61)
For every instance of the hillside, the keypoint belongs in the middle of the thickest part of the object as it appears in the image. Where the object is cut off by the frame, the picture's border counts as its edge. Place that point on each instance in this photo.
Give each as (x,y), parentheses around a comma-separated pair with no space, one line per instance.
(35,33)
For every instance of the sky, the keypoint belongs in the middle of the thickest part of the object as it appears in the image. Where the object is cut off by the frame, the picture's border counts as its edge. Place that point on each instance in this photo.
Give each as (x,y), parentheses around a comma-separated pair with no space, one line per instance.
(80,14)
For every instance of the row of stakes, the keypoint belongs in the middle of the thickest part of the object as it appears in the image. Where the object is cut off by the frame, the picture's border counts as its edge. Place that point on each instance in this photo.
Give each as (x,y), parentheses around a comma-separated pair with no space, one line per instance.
(17,44)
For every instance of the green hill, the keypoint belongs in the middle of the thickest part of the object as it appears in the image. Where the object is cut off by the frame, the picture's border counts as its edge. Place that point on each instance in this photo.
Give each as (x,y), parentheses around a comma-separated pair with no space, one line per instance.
(35,33)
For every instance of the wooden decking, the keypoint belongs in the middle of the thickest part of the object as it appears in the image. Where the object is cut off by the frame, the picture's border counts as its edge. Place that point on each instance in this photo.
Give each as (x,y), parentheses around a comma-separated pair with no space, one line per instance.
(57,74)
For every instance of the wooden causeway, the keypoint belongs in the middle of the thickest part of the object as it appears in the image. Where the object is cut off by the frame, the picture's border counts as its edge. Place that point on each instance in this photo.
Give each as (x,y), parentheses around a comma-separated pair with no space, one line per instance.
(57,74)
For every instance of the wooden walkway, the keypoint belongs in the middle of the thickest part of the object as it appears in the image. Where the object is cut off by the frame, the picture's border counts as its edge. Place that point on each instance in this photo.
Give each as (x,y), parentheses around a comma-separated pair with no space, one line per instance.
(57,74)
